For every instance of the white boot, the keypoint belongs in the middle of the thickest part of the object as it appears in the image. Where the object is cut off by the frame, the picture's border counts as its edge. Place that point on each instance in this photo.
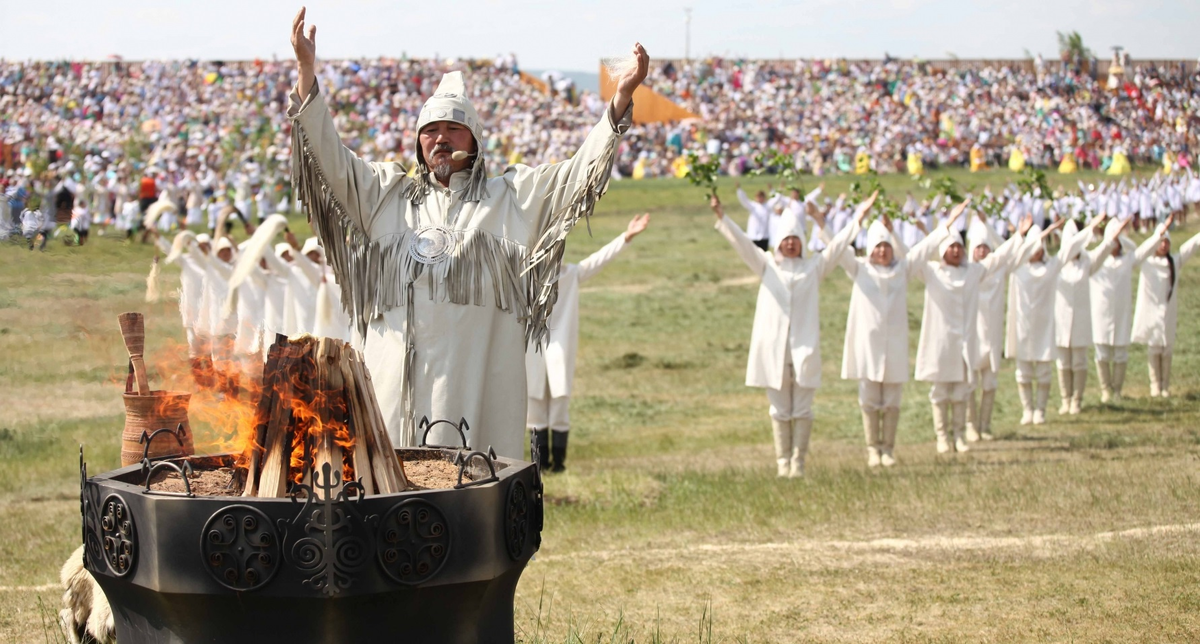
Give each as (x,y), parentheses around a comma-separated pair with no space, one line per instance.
(987,400)
(1026,391)
(801,432)
(783,445)
(1165,376)
(1079,380)
(973,423)
(1155,361)
(958,418)
(940,419)
(1118,380)
(871,430)
(889,424)
(1104,371)
(1065,387)
(1039,407)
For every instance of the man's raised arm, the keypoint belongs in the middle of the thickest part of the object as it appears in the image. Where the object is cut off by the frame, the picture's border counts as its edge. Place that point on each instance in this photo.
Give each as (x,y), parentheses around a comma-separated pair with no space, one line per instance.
(331,181)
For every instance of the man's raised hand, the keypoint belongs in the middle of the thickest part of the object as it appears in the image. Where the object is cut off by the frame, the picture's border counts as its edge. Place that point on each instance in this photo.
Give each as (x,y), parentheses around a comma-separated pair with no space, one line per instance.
(864,208)
(636,226)
(630,80)
(305,47)
(958,210)
(1026,224)
(715,203)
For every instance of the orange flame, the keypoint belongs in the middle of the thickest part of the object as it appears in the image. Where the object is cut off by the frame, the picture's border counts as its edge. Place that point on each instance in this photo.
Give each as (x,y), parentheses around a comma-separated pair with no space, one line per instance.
(225,416)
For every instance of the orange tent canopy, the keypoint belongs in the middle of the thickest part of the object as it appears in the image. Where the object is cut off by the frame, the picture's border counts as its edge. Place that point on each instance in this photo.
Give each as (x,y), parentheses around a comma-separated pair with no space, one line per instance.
(649,105)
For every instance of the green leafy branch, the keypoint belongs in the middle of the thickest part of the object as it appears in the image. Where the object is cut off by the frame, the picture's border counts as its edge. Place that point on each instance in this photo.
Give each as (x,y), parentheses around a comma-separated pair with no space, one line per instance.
(703,174)
(780,164)
(884,205)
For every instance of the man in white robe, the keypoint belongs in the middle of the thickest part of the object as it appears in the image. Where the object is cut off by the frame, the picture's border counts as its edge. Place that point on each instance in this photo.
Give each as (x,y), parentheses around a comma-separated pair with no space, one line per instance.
(875,349)
(785,343)
(447,274)
(1073,313)
(550,366)
(1112,310)
(222,323)
(989,324)
(948,350)
(758,224)
(191,251)
(1029,336)
(1154,318)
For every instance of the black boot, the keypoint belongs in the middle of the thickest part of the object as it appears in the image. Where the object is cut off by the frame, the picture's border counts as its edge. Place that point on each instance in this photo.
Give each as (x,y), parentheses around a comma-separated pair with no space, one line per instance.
(540,448)
(560,451)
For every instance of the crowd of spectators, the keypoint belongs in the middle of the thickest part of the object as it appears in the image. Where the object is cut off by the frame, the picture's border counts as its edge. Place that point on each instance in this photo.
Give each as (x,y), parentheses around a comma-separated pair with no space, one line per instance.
(213,132)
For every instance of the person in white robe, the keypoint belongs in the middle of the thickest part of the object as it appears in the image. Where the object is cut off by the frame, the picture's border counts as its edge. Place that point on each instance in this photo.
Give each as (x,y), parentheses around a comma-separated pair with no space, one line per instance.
(222,324)
(758,223)
(785,356)
(304,285)
(550,366)
(875,349)
(1029,336)
(1073,313)
(1154,317)
(191,252)
(251,310)
(447,274)
(1112,312)
(948,355)
(984,240)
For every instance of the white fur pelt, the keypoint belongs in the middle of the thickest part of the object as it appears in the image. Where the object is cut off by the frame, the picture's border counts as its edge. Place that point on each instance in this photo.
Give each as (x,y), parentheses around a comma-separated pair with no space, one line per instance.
(86,616)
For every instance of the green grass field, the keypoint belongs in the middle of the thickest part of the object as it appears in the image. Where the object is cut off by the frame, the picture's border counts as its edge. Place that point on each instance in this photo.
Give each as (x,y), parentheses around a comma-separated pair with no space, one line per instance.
(669,524)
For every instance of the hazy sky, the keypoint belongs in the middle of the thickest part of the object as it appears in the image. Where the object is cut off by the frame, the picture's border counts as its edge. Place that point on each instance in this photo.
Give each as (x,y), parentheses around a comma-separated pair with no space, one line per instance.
(575,35)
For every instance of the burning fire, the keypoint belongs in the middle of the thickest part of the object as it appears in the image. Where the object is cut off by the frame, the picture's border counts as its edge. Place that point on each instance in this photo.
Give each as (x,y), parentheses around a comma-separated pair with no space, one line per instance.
(227,417)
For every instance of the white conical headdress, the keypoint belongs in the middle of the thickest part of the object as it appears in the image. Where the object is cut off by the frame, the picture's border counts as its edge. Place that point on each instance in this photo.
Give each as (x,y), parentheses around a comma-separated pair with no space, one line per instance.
(449,103)
(790,225)
(977,233)
(877,234)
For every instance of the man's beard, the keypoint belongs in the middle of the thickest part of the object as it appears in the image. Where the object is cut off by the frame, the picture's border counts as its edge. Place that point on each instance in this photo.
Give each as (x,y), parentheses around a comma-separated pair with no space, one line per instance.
(442,170)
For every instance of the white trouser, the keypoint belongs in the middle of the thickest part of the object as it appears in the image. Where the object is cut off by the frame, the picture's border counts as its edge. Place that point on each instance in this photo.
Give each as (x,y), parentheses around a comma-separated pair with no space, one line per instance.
(1030,372)
(549,412)
(791,402)
(985,378)
(1073,358)
(1112,353)
(954,392)
(878,396)
(1159,350)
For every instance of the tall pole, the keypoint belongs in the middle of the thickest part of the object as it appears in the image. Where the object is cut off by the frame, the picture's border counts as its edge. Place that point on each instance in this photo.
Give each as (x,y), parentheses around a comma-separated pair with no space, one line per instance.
(687,33)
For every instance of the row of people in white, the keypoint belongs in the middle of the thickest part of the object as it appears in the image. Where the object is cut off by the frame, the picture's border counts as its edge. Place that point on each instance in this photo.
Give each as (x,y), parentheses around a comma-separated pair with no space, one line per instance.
(1049,315)
(232,307)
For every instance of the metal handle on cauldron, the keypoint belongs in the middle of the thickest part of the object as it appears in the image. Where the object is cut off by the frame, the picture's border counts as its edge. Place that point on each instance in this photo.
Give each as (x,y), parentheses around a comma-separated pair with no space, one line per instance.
(462,462)
(184,473)
(462,427)
(148,438)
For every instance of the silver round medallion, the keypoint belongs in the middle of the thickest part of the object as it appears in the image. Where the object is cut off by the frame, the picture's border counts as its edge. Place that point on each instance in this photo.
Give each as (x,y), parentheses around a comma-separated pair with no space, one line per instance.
(432,244)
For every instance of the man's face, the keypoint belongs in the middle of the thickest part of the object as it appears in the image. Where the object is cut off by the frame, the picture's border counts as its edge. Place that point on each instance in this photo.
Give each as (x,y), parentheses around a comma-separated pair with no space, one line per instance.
(205,247)
(954,255)
(882,254)
(286,256)
(1037,256)
(1164,247)
(790,246)
(980,252)
(760,196)
(314,256)
(441,139)
(225,255)
(795,195)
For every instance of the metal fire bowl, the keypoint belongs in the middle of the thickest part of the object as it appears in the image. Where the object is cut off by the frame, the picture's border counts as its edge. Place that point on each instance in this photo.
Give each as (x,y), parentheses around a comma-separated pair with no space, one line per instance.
(422,566)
